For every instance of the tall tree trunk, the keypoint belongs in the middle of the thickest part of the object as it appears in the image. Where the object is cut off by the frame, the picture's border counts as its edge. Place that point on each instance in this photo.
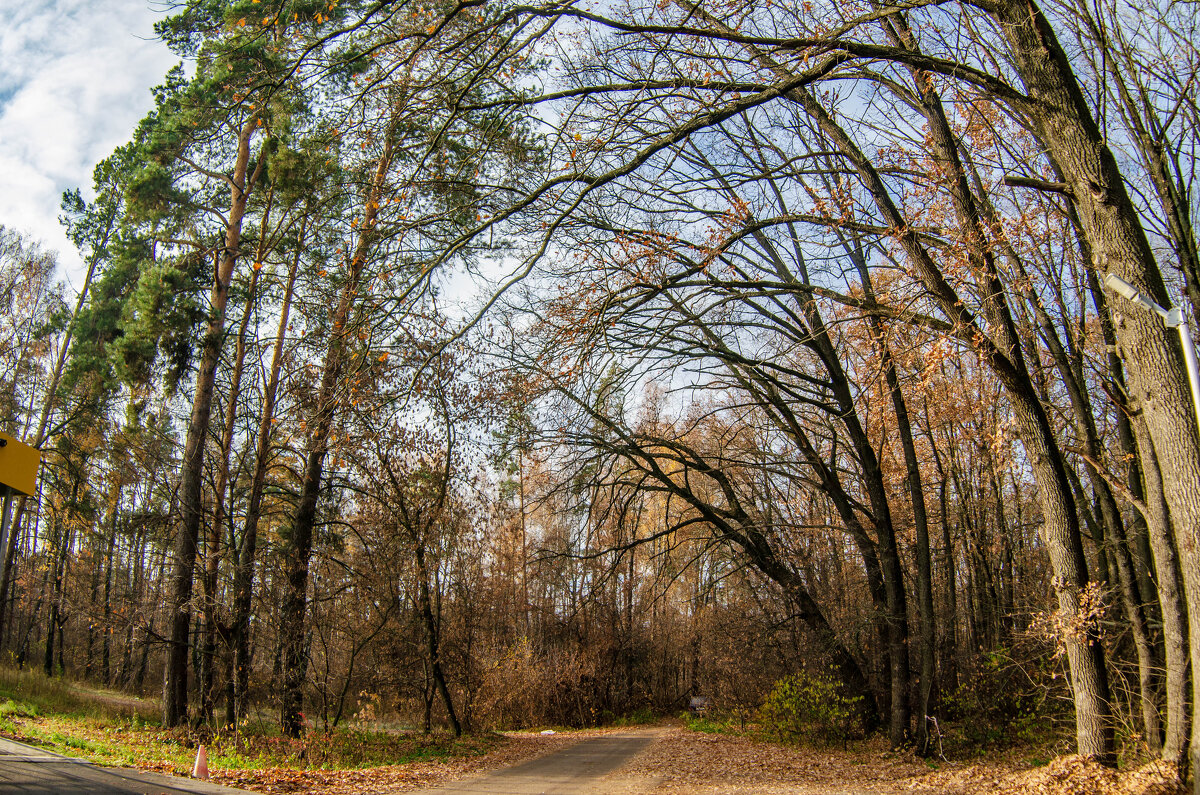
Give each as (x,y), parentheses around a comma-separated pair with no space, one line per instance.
(220,496)
(101,572)
(191,475)
(882,559)
(1152,529)
(1089,677)
(295,599)
(1176,631)
(949,655)
(1110,530)
(1118,243)
(54,626)
(244,574)
(916,488)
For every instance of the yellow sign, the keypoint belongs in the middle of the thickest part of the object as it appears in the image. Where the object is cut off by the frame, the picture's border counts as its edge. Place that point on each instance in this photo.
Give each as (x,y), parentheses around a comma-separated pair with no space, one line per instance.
(18,465)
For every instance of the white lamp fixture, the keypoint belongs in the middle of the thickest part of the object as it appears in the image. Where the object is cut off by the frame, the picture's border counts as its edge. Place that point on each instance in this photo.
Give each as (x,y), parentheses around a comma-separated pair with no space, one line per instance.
(1172,318)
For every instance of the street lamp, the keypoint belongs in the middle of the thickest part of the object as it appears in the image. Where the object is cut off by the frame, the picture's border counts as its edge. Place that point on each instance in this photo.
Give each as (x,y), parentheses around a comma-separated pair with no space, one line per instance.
(1172,318)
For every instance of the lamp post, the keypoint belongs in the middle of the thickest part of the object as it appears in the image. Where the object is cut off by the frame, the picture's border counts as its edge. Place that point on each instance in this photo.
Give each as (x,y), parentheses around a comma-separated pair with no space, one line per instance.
(1172,318)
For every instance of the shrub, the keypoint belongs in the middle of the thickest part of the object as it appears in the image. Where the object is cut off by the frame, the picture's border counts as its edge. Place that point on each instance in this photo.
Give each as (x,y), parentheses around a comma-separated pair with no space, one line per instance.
(812,708)
(639,717)
(1010,696)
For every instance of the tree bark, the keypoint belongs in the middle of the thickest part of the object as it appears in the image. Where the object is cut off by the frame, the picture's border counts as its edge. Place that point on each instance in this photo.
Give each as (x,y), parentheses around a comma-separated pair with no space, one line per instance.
(244,573)
(191,475)
(433,638)
(1118,244)
(303,522)
(220,497)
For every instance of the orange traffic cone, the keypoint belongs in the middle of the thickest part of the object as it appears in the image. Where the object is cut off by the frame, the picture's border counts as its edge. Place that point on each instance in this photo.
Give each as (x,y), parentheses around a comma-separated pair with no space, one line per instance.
(200,769)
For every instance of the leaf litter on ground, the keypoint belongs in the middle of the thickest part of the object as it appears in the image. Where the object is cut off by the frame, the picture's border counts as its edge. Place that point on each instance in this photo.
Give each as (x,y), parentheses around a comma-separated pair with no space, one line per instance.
(682,761)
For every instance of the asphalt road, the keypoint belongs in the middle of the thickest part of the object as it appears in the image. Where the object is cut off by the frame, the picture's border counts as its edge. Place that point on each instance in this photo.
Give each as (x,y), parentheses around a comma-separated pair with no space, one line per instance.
(571,771)
(32,771)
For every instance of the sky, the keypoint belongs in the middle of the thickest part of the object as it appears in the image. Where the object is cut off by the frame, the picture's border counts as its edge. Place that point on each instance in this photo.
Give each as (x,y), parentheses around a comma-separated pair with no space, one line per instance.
(75,78)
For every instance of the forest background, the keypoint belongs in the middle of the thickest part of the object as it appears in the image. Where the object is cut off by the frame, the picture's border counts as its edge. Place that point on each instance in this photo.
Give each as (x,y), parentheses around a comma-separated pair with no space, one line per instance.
(794,381)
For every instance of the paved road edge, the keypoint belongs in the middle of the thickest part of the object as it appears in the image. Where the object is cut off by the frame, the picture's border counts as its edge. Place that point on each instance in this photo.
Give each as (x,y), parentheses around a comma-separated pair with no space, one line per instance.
(31,753)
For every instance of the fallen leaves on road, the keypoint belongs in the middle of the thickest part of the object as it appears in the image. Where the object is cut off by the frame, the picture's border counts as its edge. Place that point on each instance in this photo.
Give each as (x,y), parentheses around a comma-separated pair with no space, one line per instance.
(1066,775)
(287,780)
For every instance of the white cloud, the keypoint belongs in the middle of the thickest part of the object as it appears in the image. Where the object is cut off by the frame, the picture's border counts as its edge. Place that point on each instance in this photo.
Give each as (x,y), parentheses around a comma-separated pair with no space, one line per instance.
(75,78)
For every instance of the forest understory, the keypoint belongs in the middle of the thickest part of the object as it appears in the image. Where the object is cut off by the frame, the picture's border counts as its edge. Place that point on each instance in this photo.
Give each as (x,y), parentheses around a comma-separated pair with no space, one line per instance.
(688,756)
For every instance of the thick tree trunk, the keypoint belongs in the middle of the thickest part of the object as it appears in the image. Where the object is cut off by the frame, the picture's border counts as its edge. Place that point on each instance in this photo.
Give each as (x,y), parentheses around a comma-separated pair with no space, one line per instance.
(1118,243)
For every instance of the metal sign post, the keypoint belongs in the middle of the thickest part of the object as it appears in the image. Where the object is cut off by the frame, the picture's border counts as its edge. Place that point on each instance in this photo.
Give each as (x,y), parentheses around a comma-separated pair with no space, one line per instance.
(8,495)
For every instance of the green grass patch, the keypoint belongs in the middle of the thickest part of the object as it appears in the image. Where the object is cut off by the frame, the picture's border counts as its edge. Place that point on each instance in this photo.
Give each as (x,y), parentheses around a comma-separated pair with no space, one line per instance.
(112,728)
(717,723)
(639,717)
(39,694)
